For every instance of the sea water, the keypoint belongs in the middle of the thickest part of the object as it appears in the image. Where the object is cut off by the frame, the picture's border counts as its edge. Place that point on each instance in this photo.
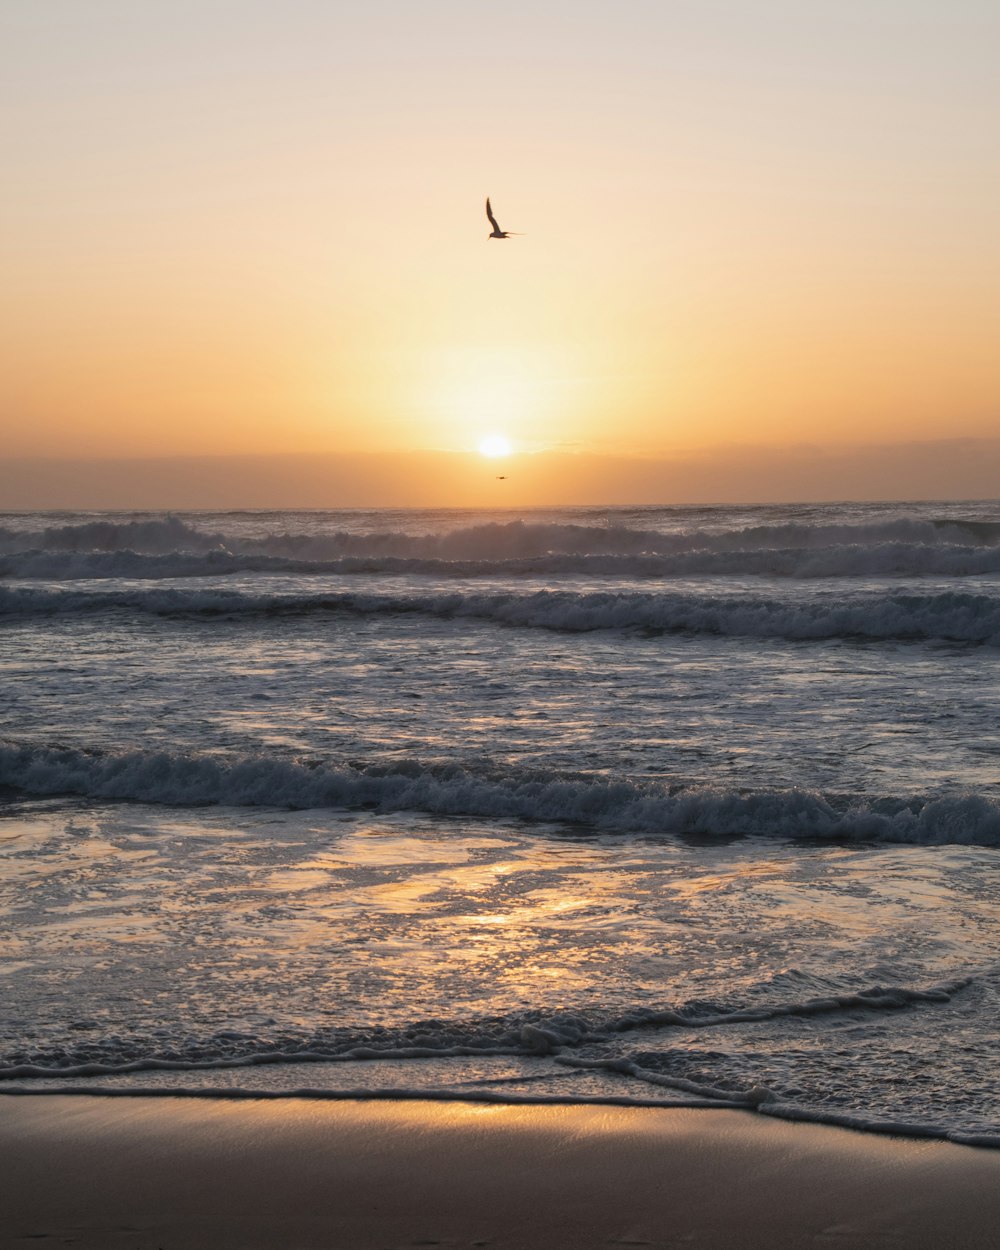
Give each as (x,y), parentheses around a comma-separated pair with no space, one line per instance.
(658,805)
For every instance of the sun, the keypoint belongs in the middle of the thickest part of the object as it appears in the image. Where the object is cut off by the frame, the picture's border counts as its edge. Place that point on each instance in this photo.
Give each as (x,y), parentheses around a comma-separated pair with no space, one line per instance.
(494,445)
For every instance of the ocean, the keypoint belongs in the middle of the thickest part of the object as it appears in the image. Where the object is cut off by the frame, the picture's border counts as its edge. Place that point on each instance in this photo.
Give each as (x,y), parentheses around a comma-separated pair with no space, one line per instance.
(660,806)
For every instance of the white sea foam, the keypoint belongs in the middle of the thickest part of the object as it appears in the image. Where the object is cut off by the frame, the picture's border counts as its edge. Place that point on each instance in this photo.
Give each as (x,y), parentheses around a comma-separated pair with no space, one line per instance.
(614,806)
(542,1043)
(533,1035)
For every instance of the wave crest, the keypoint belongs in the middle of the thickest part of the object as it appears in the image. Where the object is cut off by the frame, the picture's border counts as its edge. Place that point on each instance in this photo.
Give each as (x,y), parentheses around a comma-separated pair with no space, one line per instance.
(852,560)
(948,616)
(617,806)
(497,540)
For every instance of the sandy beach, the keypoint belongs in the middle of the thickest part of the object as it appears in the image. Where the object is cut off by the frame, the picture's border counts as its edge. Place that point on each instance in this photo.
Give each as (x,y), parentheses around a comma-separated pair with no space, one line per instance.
(186,1175)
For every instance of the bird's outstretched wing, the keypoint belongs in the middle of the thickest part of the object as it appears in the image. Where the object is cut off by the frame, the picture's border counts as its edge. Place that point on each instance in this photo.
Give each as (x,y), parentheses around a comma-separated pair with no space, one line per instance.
(489,214)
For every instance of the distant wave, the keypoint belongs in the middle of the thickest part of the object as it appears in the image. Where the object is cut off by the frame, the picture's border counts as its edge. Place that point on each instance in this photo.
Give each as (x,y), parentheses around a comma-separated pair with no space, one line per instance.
(884,559)
(946,616)
(501,541)
(622,806)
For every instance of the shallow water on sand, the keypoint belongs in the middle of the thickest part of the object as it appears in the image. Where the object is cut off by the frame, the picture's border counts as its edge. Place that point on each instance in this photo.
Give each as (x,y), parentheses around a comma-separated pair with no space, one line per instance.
(224,937)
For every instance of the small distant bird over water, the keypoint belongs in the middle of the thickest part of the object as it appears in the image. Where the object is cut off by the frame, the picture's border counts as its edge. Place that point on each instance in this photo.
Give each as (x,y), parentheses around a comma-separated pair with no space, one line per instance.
(497,232)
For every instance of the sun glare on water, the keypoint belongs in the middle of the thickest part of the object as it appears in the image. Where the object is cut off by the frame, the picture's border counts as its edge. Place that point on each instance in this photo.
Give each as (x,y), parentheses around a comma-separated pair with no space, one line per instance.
(494,445)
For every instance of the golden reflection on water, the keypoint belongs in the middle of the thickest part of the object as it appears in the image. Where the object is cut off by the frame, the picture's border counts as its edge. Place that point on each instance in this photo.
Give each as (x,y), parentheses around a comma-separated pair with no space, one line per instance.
(443,917)
(739,875)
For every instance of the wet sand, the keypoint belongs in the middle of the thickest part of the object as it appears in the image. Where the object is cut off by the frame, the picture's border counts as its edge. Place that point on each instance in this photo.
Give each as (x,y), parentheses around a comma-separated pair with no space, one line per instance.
(184,1174)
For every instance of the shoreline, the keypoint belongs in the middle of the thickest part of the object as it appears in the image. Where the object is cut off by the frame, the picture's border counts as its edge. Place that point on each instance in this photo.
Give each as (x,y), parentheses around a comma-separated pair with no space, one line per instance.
(787,1112)
(183,1174)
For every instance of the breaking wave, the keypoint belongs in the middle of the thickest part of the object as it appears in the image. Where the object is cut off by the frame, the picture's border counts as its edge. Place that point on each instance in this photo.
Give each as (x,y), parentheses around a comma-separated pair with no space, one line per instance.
(897,559)
(172,547)
(613,806)
(947,616)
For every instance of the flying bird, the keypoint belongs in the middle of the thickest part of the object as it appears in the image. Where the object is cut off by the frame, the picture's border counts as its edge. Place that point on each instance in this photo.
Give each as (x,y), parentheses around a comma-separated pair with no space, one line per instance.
(497,232)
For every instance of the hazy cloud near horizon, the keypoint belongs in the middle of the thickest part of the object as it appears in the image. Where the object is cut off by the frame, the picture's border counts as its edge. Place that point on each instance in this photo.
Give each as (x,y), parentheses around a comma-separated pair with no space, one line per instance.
(955,469)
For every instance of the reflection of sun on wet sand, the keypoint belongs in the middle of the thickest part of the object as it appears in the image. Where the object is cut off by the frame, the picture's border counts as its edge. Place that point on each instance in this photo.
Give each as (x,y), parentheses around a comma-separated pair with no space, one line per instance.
(180,1174)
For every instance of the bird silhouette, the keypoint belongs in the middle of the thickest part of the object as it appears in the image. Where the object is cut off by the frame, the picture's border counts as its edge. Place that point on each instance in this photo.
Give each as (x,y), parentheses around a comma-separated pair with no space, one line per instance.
(497,233)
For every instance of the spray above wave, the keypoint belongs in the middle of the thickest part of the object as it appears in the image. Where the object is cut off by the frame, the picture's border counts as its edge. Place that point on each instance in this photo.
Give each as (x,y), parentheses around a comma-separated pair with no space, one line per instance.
(945,616)
(622,806)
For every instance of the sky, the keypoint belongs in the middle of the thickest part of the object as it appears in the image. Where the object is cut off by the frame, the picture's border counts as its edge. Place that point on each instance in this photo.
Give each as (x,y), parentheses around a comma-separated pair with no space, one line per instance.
(755,233)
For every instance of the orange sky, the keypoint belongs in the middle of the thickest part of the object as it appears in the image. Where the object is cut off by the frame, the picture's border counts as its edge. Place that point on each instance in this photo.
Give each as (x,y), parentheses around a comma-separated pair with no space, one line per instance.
(244,228)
